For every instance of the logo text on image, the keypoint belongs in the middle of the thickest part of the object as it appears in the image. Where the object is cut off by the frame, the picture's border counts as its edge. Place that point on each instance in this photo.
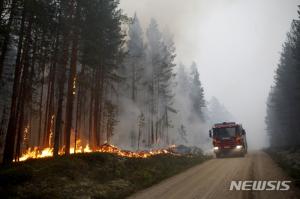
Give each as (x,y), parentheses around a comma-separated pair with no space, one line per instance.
(271,185)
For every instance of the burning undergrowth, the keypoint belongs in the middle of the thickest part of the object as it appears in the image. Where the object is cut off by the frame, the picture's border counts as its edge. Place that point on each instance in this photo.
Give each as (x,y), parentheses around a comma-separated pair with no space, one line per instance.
(37,153)
(90,175)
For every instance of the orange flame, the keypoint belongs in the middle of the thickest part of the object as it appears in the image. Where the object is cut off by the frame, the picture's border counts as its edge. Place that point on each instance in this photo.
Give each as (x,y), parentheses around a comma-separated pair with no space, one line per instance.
(26,135)
(35,153)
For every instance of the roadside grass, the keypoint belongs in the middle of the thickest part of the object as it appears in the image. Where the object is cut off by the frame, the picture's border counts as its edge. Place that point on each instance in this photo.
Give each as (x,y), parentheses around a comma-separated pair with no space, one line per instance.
(94,175)
(288,159)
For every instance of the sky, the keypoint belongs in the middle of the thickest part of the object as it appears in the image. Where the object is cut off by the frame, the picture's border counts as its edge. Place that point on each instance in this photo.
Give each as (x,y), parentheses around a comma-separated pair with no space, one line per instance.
(236,44)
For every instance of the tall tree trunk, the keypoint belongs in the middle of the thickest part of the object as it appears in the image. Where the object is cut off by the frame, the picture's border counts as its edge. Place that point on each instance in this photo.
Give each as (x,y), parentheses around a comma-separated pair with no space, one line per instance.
(61,85)
(11,129)
(50,100)
(41,106)
(43,66)
(49,105)
(77,122)
(24,89)
(79,107)
(96,122)
(71,93)
(91,110)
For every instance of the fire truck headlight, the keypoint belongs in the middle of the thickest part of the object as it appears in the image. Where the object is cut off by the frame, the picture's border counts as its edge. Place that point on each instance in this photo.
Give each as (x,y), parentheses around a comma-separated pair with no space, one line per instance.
(216,148)
(239,147)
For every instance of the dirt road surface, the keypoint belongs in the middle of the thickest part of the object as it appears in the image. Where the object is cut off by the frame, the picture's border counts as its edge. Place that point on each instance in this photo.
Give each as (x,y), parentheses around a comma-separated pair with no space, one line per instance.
(212,180)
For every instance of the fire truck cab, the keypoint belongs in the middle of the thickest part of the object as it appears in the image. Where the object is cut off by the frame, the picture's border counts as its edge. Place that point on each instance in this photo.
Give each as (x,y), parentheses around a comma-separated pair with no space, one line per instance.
(229,138)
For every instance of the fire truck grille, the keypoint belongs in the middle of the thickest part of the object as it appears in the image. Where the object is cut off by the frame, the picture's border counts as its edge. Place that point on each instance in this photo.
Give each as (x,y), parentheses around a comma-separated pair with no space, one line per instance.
(228,143)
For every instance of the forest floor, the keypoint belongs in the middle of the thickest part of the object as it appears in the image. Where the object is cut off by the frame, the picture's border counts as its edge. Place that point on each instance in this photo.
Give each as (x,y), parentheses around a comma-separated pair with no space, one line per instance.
(95,175)
(289,160)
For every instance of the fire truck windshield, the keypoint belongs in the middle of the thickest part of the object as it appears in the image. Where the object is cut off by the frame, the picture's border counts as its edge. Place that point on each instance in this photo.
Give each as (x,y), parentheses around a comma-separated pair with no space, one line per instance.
(225,132)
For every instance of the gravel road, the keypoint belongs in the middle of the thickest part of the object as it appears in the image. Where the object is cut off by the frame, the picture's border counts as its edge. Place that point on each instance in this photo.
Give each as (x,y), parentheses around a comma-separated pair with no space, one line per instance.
(212,180)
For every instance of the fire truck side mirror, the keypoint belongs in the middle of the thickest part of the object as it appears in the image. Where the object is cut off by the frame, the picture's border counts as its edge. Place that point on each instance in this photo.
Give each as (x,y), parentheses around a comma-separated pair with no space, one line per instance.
(210,133)
(243,132)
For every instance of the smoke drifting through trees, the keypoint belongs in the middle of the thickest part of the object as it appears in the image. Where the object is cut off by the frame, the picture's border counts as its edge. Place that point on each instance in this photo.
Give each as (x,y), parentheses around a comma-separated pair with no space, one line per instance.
(148,73)
(218,112)
(71,71)
(283,111)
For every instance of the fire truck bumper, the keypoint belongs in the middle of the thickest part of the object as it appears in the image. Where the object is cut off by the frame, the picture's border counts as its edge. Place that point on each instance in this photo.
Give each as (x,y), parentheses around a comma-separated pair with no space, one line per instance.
(237,150)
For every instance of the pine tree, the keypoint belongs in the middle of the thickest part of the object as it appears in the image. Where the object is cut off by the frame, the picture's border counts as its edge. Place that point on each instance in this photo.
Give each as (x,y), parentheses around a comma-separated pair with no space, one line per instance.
(54,40)
(154,39)
(160,58)
(135,59)
(64,66)
(197,92)
(134,71)
(283,106)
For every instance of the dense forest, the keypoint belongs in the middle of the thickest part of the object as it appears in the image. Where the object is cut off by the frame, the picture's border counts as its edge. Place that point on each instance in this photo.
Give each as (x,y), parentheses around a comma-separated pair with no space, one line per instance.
(283,110)
(76,73)
(66,67)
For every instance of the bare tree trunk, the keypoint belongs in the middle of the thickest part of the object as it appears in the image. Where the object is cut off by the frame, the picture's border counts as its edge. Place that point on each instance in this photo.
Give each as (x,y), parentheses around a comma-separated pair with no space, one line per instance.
(48,98)
(41,100)
(96,109)
(77,120)
(61,87)
(41,109)
(71,94)
(49,107)
(91,113)
(79,107)
(61,84)
(11,129)
(49,102)
(101,102)
(24,90)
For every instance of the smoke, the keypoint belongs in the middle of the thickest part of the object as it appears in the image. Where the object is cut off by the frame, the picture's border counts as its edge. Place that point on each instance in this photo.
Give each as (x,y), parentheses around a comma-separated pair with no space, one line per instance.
(236,45)
(196,129)
(127,126)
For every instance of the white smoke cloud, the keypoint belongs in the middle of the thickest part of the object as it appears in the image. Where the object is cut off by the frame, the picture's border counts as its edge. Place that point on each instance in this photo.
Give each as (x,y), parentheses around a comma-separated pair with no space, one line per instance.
(236,44)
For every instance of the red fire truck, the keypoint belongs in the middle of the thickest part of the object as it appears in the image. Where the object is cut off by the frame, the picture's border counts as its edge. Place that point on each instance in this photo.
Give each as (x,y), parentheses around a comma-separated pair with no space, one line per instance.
(229,138)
